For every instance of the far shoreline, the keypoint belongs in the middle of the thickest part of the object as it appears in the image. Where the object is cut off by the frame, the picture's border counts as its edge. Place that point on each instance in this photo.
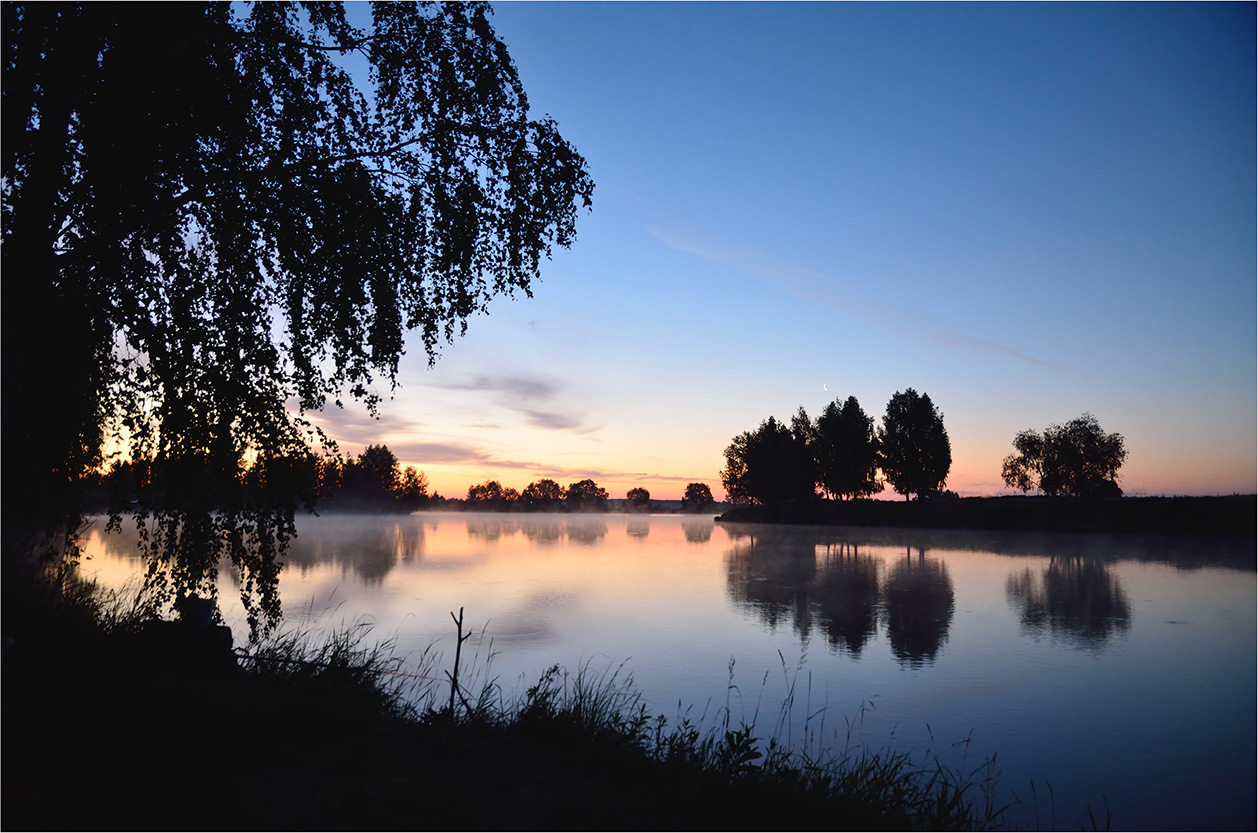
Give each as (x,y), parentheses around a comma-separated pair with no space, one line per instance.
(1230,516)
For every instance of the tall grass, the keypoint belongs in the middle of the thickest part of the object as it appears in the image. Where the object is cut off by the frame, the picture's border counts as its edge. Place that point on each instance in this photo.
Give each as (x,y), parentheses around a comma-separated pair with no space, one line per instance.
(731,762)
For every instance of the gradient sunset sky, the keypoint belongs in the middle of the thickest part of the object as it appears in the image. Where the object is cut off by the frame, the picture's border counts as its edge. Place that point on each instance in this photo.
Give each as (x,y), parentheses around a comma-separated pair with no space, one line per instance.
(1026,211)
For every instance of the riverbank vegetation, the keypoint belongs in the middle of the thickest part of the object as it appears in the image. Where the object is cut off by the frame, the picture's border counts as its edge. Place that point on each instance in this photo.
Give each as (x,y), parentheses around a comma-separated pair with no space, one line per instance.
(295,732)
(1233,515)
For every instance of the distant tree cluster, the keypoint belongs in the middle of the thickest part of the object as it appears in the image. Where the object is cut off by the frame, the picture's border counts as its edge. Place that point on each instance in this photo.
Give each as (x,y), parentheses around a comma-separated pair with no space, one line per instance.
(1077,459)
(540,496)
(546,495)
(373,480)
(840,454)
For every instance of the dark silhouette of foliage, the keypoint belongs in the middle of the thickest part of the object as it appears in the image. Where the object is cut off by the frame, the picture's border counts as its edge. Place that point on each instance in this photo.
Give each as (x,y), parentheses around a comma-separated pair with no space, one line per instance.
(639,500)
(846,448)
(490,495)
(697,498)
(412,491)
(1077,459)
(207,219)
(914,452)
(544,495)
(587,496)
(772,464)
(373,476)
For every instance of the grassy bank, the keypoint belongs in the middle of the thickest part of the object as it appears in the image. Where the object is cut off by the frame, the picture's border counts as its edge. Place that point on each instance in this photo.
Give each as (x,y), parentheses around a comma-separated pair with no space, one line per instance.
(113,720)
(1230,516)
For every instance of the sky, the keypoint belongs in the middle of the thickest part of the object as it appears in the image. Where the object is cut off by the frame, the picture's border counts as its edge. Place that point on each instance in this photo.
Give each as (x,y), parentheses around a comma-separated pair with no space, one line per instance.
(1025,211)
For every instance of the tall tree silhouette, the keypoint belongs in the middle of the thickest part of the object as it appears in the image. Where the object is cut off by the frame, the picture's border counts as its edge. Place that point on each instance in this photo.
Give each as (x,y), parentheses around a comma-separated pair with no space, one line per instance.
(914,452)
(208,218)
(847,451)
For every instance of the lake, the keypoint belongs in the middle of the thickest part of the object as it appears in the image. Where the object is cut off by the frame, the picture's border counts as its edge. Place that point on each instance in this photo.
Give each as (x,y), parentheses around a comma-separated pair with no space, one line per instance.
(1101,671)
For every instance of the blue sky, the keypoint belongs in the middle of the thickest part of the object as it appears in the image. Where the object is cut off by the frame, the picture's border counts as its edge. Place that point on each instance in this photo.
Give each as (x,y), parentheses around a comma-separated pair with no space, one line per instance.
(1026,211)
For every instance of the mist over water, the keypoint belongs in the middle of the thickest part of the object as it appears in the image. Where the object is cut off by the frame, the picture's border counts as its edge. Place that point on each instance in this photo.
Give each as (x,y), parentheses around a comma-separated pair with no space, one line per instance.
(1118,670)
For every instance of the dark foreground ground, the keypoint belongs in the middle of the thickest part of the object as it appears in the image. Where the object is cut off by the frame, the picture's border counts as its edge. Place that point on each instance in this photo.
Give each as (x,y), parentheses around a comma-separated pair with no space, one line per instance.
(1229,516)
(160,729)
(101,737)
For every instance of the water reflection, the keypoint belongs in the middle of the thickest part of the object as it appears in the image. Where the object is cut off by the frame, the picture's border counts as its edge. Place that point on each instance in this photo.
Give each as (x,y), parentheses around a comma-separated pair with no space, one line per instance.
(368,548)
(638,528)
(771,573)
(586,531)
(843,591)
(697,532)
(1075,598)
(847,595)
(918,599)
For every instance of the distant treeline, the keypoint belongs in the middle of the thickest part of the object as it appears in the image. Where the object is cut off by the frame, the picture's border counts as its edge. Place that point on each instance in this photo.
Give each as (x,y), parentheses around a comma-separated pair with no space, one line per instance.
(841,456)
(374,481)
(547,495)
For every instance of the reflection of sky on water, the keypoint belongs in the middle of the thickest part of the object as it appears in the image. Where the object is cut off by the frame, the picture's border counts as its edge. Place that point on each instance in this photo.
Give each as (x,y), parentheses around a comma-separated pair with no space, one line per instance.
(1079,659)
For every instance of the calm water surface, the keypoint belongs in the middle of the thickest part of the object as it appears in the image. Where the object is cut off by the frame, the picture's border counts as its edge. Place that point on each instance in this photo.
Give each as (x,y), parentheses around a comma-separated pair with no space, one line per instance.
(1119,671)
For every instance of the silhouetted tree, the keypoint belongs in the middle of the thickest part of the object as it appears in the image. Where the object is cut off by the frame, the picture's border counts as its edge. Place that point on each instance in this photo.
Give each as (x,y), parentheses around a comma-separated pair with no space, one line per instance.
(380,466)
(1077,459)
(490,495)
(329,475)
(587,496)
(639,500)
(846,449)
(914,452)
(208,218)
(770,465)
(698,498)
(412,491)
(544,495)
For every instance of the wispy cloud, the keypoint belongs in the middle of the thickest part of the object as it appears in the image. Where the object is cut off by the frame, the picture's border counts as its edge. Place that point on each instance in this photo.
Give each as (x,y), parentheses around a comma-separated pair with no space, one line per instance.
(532,397)
(352,426)
(821,288)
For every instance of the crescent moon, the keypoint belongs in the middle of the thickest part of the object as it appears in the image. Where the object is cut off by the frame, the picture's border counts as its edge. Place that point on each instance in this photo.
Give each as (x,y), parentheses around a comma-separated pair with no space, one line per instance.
(824,388)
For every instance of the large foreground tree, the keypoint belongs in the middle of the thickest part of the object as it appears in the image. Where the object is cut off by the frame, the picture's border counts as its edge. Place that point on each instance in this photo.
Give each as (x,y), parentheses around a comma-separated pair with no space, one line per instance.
(1077,459)
(212,228)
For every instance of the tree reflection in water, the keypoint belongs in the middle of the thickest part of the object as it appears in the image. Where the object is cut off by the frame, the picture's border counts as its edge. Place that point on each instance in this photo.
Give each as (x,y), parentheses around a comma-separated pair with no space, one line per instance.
(771,575)
(697,532)
(491,530)
(847,596)
(586,531)
(918,600)
(1075,598)
(836,586)
(542,531)
(363,545)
